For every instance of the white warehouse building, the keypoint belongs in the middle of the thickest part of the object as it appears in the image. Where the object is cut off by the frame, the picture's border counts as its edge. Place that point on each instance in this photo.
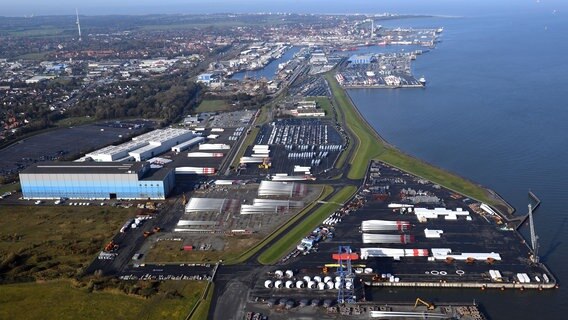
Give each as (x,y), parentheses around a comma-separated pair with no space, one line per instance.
(143,147)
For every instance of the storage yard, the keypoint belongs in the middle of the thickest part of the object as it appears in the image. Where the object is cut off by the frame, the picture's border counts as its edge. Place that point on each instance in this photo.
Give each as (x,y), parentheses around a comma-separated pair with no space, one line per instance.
(408,232)
(400,231)
(226,213)
(293,147)
(385,70)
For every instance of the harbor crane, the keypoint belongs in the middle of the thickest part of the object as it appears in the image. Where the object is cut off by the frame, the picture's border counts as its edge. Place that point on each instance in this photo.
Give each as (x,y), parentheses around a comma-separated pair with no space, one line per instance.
(346,293)
(428,305)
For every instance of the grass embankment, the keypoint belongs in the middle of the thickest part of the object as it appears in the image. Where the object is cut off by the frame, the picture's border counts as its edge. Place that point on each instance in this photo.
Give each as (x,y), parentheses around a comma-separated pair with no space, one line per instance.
(370,147)
(60,300)
(366,145)
(203,306)
(213,106)
(47,242)
(251,136)
(291,239)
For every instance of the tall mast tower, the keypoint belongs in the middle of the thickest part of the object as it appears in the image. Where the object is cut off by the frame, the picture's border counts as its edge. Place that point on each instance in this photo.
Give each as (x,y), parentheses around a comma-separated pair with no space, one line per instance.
(78,23)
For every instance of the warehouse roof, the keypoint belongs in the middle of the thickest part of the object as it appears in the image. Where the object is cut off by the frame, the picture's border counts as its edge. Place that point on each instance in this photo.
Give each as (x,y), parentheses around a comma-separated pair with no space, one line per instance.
(85,167)
(98,168)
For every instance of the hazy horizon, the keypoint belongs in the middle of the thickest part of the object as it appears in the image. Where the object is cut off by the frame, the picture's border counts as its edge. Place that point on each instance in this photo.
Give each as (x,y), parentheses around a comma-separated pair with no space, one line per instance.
(140,7)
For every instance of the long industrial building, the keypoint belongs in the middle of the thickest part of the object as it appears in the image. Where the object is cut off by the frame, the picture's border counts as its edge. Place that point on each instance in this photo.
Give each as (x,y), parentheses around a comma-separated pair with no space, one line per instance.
(144,146)
(96,180)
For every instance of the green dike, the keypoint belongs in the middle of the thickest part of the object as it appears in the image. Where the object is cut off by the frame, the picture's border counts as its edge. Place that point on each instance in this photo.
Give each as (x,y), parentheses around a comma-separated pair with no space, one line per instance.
(291,239)
(202,308)
(326,191)
(251,137)
(365,144)
(370,146)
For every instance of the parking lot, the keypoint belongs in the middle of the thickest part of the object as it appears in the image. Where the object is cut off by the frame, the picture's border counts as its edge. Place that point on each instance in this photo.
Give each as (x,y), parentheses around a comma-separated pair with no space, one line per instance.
(310,86)
(232,119)
(66,143)
(311,143)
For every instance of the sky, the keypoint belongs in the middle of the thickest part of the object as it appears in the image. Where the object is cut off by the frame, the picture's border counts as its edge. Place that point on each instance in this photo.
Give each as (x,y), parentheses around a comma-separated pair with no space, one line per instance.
(104,7)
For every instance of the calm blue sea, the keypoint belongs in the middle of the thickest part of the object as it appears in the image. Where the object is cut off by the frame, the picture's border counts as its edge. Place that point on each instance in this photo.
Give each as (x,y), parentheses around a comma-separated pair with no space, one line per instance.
(494,111)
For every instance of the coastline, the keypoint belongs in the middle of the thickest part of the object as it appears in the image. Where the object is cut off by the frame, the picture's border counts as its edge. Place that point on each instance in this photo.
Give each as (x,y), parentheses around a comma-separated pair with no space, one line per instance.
(399,159)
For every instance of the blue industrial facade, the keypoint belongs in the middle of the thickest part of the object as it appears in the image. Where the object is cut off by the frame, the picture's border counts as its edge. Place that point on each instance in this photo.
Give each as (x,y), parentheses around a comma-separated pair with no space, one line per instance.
(96,181)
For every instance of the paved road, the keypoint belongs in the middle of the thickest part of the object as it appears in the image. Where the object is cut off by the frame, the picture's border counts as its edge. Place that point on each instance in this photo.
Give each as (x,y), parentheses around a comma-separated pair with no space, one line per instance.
(232,282)
(131,240)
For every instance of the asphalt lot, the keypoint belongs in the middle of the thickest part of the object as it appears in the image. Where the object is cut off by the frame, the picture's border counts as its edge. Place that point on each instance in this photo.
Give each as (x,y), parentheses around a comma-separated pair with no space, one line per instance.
(65,142)
(298,142)
(481,234)
(130,241)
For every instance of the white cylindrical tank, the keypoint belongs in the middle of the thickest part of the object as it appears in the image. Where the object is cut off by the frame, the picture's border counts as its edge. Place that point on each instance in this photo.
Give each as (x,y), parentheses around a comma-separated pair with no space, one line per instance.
(289,284)
(278,284)
(289,274)
(321,286)
(312,285)
(307,278)
(368,270)
(317,279)
(337,278)
(278,273)
(348,285)
(300,284)
(337,285)
(329,285)
(268,284)
(327,279)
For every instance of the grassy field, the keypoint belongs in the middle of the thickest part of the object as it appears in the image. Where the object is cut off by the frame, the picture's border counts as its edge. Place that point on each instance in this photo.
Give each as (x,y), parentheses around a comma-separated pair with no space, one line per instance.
(169,251)
(372,147)
(291,239)
(325,104)
(10,187)
(60,300)
(34,56)
(213,106)
(43,31)
(47,242)
(74,121)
